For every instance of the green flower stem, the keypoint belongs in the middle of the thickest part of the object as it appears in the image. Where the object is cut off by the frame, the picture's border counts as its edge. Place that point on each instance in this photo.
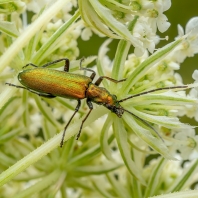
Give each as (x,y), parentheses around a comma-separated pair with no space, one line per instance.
(121,138)
(183,194)
(9,28)
(45,110)
(41,185)
(118,27)
(155,178)
(46,148)
(25,37)
(120,58)
(136,190)
(105,148)
(119,190)
(114,5)
(145,135)
(6,94)
(101,189)
(121,54)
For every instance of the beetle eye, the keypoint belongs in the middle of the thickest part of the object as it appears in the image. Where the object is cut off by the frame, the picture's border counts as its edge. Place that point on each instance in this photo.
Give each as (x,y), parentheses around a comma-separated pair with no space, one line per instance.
(115,96)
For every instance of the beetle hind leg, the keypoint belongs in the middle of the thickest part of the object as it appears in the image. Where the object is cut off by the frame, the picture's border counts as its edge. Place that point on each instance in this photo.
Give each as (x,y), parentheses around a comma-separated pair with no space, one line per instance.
(76,110)
(46,95)
(90,109)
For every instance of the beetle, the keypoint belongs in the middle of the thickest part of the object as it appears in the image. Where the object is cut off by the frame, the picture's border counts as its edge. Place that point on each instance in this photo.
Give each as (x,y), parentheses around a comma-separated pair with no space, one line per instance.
(51,83)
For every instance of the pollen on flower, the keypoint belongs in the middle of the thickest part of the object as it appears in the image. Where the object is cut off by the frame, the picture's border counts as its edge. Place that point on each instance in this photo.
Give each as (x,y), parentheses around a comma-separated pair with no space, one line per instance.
(152,13)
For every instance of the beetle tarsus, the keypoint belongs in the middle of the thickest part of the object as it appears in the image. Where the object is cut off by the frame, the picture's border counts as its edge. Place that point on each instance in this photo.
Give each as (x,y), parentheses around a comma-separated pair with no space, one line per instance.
(90,109)
(76,110)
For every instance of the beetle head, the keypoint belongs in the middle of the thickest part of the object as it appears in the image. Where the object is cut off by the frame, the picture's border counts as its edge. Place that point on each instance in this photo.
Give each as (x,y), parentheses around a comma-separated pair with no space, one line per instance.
(117,109)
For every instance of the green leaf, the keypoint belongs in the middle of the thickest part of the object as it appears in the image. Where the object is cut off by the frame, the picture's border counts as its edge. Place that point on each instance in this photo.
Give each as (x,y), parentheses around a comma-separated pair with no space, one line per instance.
(120,190)
(105,147)
(168,98)
(92,19)
(111,22)
(96,169)
(146,135)
(168,122)
(45,110)
(101,187)
(154,177)
(181,181)
(121,138)
(9,28)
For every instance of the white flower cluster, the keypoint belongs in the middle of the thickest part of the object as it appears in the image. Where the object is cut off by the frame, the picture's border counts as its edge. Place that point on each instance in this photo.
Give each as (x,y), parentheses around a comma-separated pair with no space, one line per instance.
(150,18)
(66,46)
(36,5)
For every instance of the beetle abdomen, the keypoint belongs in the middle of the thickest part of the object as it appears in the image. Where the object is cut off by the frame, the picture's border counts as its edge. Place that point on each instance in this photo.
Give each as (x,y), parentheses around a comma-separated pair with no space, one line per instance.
(57,83)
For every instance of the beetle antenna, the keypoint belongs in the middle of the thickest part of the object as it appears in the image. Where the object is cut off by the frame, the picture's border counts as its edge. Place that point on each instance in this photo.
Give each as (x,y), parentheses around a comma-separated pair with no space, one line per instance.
(154,90)
(145,122)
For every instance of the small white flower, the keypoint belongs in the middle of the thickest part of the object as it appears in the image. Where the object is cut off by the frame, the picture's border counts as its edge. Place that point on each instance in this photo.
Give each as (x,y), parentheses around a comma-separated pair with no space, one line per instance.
(141,6)
(195,75)
(86,34)
(144,33)
(36,122)
(188,142)
(159,22)
(156,17)
(36,5)
(189,46)
(193,110)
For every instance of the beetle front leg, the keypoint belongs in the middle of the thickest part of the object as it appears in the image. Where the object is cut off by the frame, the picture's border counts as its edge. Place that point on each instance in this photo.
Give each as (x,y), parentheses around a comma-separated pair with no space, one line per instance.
(100,79)
(76,110)
(86,69)
(90,109)
(66,66)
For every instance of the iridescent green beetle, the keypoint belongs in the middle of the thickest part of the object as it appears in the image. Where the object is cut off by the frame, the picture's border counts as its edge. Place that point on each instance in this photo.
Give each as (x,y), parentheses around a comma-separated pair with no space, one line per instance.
(51,83)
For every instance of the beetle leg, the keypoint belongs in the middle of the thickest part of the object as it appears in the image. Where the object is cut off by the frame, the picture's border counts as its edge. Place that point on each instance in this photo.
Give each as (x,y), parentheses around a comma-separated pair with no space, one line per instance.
(90,109)
(110,79)
(37,93)
(66,66)
(33,65)
(86,69)
(76,110)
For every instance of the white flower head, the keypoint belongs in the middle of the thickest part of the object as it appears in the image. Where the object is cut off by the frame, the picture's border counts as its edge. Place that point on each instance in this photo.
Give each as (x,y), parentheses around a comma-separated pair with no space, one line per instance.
(189,46)
(86,34)
(156,17)
(188,142)
(144,33)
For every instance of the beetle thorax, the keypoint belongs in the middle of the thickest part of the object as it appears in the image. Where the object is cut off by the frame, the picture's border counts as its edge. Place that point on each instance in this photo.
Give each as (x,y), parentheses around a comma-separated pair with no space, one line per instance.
(101,96)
